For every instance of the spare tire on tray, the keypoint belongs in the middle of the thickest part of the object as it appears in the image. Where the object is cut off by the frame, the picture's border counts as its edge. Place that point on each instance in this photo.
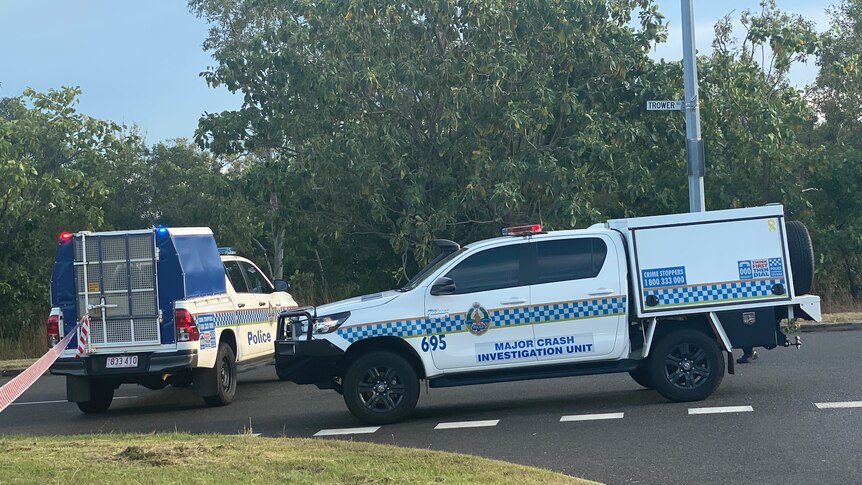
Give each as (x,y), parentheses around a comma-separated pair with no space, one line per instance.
(801,256)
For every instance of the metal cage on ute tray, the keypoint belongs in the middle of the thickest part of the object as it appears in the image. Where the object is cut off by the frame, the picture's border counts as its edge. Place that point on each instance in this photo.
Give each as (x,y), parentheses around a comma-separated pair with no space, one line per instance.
(116,283)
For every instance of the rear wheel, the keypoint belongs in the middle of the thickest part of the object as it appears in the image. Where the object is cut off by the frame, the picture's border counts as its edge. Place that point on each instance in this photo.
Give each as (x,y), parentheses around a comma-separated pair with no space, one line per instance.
(224,373)
(686,365)
(101,395)
(381,388)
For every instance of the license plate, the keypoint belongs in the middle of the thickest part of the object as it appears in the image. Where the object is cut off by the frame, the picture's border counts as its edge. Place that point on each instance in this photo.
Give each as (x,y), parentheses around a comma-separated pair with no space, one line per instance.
(122,362)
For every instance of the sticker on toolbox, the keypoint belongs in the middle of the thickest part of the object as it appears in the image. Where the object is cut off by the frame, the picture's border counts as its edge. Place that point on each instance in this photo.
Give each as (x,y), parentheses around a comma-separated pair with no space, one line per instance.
(206,326)
(662,277)
(760,268)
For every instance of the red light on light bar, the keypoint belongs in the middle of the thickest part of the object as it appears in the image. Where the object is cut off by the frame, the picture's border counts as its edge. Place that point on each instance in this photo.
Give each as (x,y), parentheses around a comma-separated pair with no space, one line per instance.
(522,230)
(65,236)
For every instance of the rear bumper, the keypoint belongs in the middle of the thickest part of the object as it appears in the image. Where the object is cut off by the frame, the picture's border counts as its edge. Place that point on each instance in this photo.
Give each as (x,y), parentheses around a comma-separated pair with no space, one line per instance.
(307,361)
(148,363)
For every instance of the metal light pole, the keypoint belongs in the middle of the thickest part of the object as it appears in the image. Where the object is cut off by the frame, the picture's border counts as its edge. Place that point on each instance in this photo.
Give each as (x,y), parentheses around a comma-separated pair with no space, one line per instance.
(693,142)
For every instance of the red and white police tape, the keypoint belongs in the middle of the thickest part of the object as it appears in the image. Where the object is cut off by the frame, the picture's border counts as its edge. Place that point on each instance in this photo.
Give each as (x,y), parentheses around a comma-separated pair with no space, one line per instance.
(14,388)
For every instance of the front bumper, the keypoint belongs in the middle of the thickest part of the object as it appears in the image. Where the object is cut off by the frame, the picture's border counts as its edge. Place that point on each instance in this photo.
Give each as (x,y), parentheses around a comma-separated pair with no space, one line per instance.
(307,361)
(148,363)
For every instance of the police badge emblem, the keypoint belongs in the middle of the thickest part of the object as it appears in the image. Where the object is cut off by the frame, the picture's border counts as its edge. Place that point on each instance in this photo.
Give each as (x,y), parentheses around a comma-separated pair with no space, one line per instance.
(478,319)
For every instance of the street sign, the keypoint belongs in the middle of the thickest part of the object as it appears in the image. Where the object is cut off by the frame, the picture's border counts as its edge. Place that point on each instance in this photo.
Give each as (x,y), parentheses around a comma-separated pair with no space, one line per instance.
(664,105)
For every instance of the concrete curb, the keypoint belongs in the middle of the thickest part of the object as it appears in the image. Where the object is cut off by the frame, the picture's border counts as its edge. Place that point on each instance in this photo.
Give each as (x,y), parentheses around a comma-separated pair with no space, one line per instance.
(805,328)
(828,327)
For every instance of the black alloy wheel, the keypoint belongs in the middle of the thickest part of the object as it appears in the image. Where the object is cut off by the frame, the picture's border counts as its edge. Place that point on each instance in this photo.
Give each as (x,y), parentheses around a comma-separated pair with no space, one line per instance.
(381,388)
(686,365)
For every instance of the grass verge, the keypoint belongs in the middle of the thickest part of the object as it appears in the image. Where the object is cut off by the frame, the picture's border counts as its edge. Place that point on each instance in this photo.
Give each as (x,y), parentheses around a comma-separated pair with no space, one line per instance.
(184,458)
(16,364)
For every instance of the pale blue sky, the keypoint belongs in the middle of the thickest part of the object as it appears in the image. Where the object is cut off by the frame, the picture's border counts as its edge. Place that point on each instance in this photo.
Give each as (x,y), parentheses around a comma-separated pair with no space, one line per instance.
(138,62)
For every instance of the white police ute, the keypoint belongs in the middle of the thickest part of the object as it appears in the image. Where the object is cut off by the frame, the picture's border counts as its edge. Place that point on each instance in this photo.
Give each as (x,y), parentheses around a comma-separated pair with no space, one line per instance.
(661,298)
(164,306)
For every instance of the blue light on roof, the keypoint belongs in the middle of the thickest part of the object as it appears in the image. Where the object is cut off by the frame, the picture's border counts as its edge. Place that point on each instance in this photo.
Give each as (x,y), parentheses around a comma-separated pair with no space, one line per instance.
(226,251)
(162,231)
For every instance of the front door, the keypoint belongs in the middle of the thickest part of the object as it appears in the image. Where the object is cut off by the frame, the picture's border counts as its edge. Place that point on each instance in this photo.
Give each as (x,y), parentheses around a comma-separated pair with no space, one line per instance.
(578,298)
(485,322)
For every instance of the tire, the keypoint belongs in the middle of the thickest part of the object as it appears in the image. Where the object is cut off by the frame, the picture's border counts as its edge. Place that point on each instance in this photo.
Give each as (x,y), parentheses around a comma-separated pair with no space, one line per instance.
(642,376)
(224,374)
(381,388)
(686,365)
(101,396)
(801,257)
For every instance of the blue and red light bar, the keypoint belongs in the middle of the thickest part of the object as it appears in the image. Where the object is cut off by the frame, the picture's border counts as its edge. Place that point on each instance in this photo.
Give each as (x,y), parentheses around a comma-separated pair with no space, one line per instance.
(522,230)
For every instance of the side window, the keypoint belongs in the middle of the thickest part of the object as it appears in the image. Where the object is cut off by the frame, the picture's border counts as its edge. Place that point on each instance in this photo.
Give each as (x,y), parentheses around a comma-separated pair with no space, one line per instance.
(257,282)
(491,269)
(234,274)
(570,259)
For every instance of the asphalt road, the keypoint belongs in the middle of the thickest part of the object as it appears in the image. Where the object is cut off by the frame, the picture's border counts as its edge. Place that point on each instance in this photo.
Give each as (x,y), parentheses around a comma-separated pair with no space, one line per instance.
(771,432)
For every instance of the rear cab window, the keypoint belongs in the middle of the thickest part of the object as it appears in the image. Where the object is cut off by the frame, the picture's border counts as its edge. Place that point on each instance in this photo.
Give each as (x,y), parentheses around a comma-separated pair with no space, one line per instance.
(569,259)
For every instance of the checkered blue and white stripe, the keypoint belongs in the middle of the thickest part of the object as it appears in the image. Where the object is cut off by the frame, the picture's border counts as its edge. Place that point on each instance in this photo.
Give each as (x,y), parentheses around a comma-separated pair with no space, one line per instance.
(689,295)
(502,317)
(223,319)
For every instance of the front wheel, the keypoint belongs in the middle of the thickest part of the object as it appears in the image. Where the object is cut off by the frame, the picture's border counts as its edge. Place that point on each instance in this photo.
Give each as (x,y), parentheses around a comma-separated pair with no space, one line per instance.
(381,388)
(224,373)
(686,365)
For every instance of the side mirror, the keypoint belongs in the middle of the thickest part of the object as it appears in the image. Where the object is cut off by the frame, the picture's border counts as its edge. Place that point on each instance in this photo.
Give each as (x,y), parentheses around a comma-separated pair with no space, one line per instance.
(443,286)
(281,285)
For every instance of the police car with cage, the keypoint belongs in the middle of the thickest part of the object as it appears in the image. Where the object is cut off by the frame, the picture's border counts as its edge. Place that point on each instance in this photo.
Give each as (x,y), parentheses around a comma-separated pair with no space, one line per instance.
(663,298)
(158,306)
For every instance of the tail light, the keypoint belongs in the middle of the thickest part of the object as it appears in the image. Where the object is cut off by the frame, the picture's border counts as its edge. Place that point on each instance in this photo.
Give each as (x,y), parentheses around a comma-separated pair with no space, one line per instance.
(53,330)
(187,331)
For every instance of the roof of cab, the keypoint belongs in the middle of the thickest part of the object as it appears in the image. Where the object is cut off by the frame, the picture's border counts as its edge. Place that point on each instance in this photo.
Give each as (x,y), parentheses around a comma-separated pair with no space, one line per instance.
(592,230)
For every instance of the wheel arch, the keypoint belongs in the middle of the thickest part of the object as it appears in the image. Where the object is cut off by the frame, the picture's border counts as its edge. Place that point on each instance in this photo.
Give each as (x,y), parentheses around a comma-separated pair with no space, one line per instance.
(227,336)
(698,322)
(395,345)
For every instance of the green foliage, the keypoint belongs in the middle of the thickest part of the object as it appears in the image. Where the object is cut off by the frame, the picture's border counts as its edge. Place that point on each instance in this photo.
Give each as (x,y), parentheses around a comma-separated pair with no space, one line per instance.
(397,123)
(48,154)
(835,174)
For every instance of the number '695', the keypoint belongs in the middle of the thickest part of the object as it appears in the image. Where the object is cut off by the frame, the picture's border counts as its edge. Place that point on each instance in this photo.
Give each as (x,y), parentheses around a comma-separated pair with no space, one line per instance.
(434,342)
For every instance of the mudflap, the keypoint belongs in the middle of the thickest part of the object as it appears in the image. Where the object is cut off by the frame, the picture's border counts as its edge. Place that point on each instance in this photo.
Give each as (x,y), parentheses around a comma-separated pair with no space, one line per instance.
(79,389)
(731,363)
(204,383)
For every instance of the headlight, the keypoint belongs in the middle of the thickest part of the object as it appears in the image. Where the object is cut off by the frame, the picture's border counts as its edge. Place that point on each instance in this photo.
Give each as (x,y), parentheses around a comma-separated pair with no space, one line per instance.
(329,323)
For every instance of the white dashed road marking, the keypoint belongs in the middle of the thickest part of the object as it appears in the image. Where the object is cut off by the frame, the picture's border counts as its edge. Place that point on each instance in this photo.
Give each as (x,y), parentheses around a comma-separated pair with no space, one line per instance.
(61,401)
(724,409)
(837,405)
(342,431)
(468,424)
(591,417)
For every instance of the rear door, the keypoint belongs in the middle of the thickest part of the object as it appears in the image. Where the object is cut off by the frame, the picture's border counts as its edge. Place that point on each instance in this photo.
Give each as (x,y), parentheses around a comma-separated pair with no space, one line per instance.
(486,321)
(255,313)
(578,298)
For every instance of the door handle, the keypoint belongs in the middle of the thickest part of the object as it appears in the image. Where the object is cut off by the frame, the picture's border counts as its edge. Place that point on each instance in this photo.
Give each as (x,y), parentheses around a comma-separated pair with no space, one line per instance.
(514,301)
(240,305)
(261,303)
(603,291)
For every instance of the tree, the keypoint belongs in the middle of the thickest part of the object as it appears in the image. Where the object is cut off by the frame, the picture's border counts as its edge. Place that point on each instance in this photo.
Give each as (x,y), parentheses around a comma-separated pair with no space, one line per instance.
(835,175)
(399,122)
(49,158)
